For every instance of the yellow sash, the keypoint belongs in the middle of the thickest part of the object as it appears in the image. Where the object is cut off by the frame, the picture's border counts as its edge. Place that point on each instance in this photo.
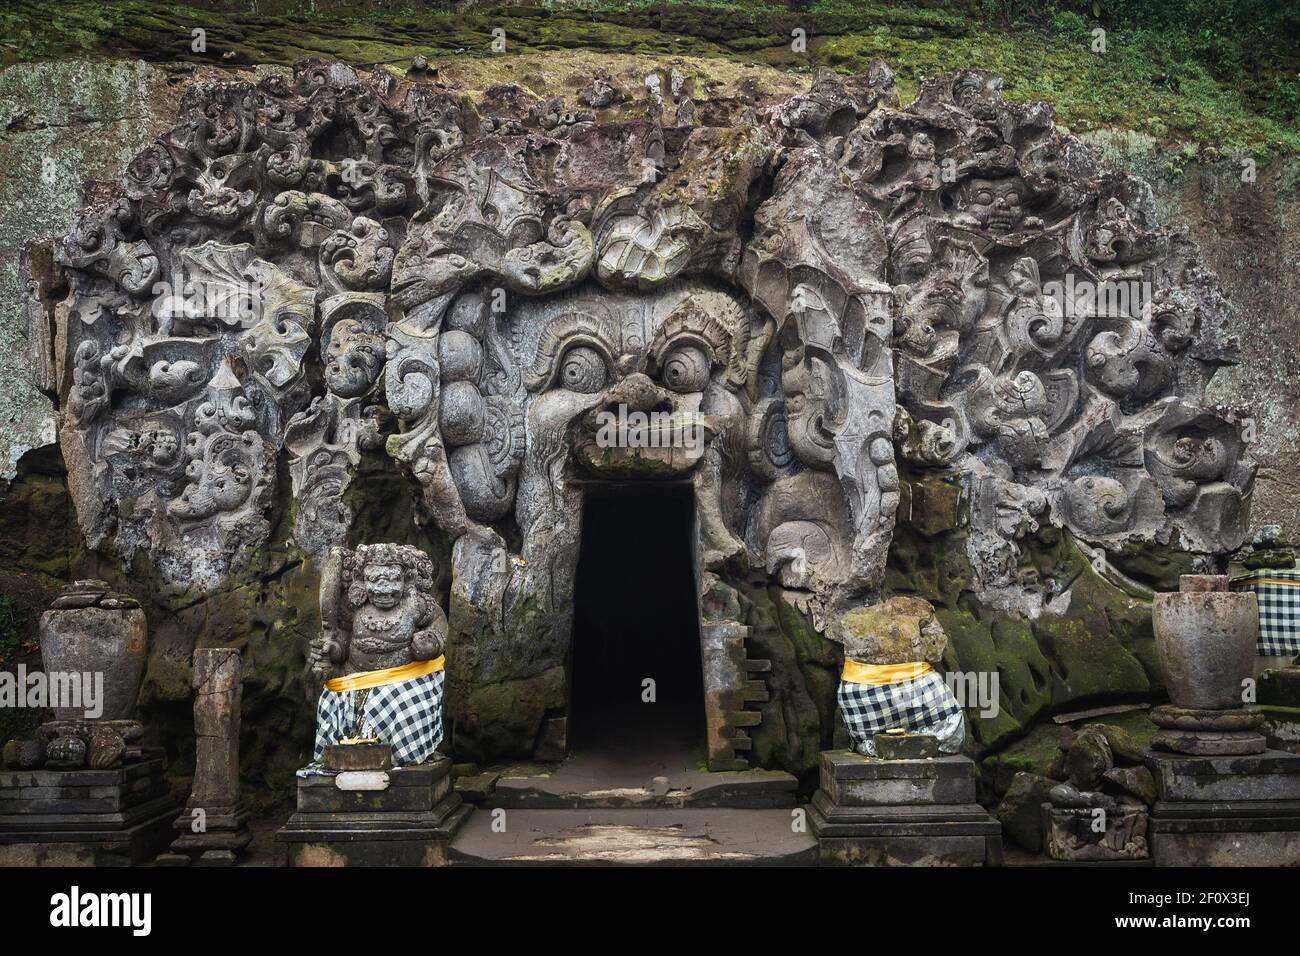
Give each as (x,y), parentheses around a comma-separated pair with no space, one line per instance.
(389,675)
(855,673)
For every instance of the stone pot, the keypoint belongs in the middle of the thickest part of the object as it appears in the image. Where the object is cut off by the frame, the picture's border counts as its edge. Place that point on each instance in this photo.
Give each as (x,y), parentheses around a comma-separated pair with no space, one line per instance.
(1205,637)
(89,629)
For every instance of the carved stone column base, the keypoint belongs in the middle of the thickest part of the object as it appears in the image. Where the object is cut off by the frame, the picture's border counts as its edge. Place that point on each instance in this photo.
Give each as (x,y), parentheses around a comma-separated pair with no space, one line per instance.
(215,829)
(1208,733)
(407,819)
(1226,810)
(914,812)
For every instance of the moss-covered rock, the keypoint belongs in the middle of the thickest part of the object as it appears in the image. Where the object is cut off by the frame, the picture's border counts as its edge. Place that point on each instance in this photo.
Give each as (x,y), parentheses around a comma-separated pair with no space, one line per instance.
(1021,810)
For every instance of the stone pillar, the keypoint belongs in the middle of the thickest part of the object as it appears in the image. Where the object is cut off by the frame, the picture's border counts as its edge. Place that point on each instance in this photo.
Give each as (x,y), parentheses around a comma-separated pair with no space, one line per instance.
(212,825)
(1206,637)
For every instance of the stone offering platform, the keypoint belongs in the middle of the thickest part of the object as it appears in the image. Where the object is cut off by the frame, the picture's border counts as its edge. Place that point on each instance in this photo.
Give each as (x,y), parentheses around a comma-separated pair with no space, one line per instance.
(914,812)
(409,822)
(85,817)
(720,836)
(1226,811)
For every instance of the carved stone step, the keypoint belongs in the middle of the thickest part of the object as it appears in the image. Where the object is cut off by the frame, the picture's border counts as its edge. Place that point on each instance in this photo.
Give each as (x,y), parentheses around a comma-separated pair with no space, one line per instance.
(588,783)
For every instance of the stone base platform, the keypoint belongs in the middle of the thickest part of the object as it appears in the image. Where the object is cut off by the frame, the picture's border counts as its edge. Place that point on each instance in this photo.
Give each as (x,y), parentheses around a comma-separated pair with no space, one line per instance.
(407,823)
(1226,811)
(223,835)
(914,812)
(85,817)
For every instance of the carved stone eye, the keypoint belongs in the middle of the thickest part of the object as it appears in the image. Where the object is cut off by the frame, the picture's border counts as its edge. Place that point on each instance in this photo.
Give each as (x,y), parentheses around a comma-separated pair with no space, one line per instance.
(686,369)
(582,370)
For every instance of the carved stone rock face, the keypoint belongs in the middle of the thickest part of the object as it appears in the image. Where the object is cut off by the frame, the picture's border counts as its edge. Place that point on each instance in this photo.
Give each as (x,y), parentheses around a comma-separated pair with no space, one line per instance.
(760,298)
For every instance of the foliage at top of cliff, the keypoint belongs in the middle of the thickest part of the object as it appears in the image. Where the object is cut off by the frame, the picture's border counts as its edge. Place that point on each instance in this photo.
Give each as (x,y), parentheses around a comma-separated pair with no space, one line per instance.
(1224,74)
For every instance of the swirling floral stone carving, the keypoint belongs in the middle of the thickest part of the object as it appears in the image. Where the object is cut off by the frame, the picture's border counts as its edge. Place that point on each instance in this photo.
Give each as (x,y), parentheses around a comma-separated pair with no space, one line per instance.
(767,299)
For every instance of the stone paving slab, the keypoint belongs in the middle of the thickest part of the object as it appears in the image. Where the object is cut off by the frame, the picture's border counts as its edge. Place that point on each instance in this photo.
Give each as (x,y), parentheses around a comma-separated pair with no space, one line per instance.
(710,837)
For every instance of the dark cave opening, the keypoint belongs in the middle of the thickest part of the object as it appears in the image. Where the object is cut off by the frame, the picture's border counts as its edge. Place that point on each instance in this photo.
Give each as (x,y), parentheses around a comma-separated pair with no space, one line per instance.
(636,618)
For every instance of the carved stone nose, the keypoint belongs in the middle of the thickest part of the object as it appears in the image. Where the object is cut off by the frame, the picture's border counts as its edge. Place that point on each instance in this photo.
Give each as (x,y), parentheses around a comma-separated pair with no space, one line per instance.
(639,393)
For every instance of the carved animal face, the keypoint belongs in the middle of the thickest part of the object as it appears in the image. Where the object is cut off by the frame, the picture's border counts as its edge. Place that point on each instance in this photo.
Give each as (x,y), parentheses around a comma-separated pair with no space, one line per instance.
(634,391)
(641,418)
(352,359)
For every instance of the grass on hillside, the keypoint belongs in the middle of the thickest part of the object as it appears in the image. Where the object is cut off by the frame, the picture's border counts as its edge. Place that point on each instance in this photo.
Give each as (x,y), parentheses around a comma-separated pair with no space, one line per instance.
(1235,91)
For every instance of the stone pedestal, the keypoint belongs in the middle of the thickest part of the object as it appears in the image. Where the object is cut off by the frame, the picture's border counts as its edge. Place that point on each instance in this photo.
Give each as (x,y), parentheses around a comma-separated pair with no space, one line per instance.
(1226,811)
(917,812)
(408,822)
(85,817)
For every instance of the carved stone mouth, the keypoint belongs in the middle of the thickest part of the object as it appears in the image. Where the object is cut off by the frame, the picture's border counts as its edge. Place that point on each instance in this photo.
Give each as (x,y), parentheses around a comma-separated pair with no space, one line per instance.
(1002,221)
(651,445)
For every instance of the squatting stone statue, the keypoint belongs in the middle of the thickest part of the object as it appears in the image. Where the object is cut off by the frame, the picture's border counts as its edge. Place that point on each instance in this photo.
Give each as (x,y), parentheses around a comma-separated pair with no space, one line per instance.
(889,681)
(381,652)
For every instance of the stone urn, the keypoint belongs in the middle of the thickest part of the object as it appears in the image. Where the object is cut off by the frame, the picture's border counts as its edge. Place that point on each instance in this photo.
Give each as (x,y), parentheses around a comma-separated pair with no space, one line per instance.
(1205,637)
(90,629)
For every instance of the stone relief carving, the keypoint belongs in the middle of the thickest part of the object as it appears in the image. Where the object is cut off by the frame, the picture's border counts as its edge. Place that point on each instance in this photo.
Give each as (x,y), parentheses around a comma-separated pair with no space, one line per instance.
(823,288)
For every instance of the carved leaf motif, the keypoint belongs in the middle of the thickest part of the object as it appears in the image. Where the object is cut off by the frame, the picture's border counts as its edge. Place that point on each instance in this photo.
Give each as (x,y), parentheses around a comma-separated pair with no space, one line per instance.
(225,292)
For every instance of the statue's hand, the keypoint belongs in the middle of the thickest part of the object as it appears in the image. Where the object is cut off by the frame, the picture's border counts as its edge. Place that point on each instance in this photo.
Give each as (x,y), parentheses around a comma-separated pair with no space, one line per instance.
(428,644)
(319,661)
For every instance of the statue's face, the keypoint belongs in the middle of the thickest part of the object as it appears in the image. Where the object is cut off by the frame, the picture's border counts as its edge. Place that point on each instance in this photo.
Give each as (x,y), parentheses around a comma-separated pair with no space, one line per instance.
(384,585)
(352,359)
(637,389)
(995,204)
(643,422)
(163,447)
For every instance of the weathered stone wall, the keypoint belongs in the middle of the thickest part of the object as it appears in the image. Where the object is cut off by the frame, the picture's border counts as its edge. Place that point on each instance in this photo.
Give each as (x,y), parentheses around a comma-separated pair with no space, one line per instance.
(1249,233)
(91,118)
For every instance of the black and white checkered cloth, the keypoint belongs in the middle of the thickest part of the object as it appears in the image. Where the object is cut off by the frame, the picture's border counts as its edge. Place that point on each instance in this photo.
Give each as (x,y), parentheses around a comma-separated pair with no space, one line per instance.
(407,715)
(1278,593)
(922,705)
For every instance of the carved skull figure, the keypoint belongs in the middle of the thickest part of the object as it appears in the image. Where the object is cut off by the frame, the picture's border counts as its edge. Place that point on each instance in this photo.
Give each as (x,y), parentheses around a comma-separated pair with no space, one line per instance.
(996,205)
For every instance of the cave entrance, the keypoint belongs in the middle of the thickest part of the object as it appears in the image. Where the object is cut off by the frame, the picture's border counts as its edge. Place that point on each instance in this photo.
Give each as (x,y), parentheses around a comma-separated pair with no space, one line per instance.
(636,618)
